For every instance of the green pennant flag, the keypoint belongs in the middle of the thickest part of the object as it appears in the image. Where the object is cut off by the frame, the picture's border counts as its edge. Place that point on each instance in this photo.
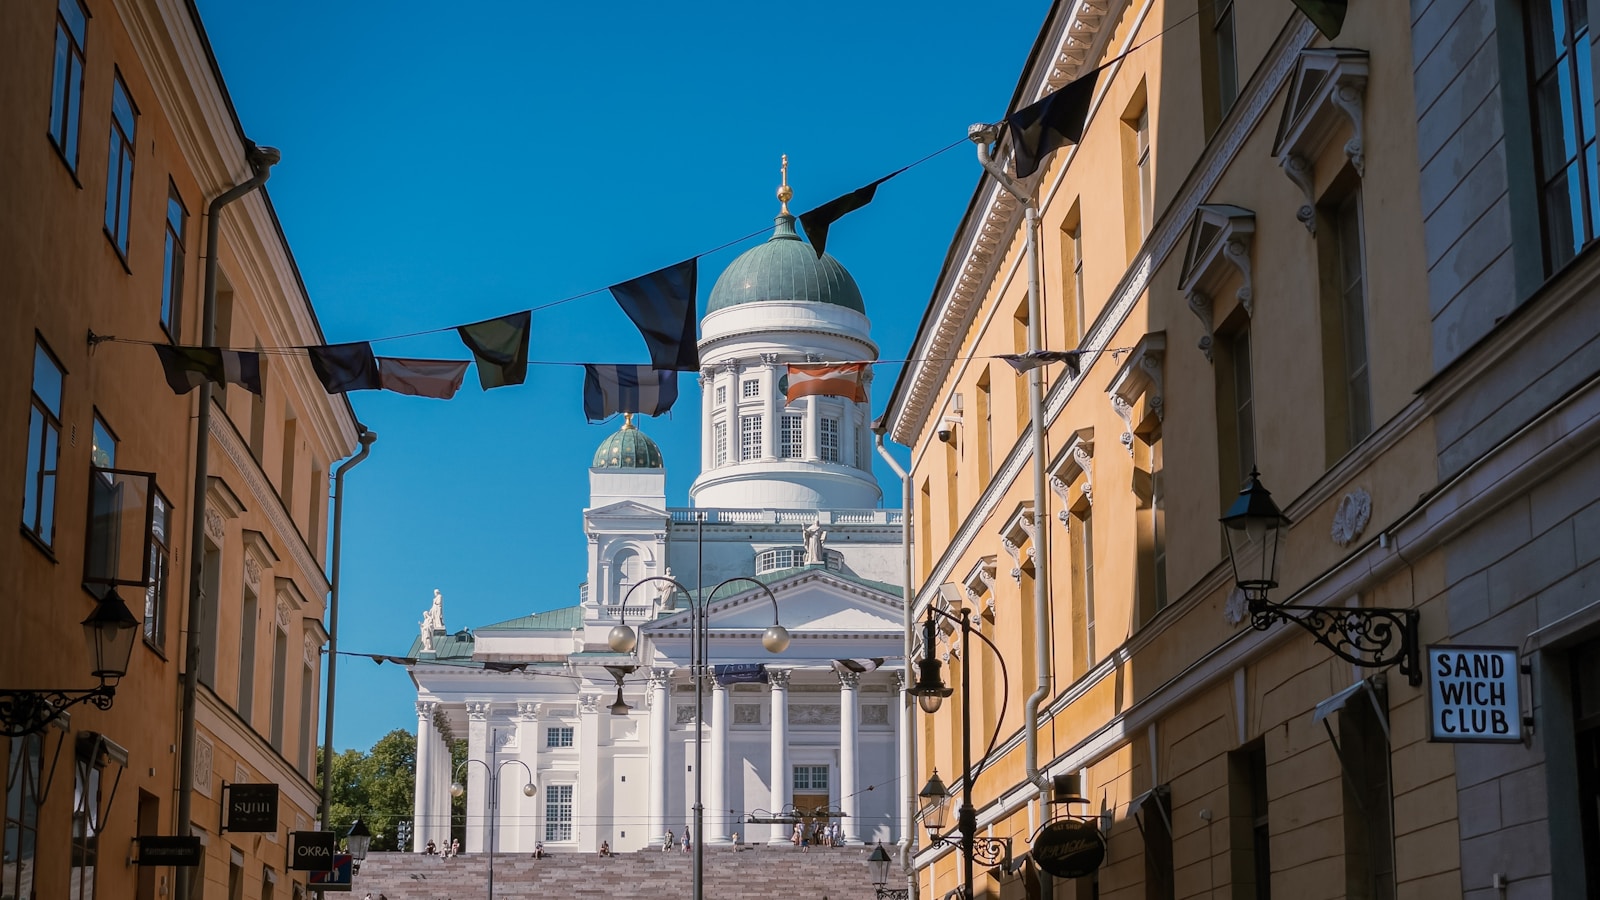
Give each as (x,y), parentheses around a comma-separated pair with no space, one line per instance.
(501,348)
(1327,15)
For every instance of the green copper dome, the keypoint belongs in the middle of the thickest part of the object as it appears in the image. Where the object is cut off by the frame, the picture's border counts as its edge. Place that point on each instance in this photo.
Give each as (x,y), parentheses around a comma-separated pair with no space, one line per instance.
(628,449)
(785,268)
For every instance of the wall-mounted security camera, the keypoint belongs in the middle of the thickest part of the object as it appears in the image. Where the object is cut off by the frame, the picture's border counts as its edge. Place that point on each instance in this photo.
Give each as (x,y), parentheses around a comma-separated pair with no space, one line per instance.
(947,428)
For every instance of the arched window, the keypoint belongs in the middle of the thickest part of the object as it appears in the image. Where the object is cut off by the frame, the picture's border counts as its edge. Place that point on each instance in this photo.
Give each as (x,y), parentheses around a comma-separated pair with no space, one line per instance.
(627,568)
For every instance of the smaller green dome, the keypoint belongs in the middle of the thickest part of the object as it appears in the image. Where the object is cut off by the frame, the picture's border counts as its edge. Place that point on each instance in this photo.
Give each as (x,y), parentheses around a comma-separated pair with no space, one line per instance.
(628,449)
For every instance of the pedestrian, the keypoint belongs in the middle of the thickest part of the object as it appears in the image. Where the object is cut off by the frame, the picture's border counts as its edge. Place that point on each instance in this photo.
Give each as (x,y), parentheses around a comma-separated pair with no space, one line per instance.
(688,841)
(605,848)
(433,849)
(538,849)
(455,846)
(669,842)
(794,836)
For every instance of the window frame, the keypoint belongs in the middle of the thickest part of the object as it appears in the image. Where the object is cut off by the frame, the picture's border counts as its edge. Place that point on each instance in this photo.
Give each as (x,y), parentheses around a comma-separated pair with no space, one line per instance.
(559,737)
(66,99)
(154,624)
(828,438)
(558,811)
(120,166)
(791,435)
(1567,64)
(24,786)
(749,437)
(44,437)
(809,784)
(174,258)
(1225,37)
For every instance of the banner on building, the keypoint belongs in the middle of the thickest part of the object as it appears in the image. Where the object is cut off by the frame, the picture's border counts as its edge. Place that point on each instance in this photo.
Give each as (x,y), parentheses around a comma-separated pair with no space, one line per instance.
(1473,695)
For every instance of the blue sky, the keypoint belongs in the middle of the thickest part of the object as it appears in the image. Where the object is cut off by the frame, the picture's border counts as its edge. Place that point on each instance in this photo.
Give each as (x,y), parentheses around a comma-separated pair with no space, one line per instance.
(445,163)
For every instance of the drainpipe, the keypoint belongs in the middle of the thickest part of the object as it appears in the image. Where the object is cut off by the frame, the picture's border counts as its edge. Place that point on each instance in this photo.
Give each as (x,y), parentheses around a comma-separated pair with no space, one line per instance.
(366,438)
(983,136)
(261,160)
(908,815)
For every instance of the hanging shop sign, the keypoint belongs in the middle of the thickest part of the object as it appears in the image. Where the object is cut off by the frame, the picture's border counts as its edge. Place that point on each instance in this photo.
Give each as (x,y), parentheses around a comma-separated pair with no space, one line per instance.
(250,807)
(168,850)
(312,851)
(1472,694)
(1069,848)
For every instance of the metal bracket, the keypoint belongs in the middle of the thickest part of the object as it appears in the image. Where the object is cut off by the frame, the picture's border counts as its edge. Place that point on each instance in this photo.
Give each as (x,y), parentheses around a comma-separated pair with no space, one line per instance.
(29,712)
(1367,636)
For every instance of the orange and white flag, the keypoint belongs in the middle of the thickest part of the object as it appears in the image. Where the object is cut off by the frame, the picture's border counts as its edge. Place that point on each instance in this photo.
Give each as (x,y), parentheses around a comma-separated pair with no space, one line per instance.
(828,379)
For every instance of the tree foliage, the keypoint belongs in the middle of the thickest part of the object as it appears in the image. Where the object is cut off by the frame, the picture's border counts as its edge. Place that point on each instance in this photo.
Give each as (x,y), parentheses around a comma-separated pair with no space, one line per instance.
(377,786)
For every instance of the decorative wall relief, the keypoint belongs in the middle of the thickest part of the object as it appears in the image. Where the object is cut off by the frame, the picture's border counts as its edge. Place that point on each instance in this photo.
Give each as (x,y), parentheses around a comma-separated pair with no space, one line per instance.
(746,714)
(685,715)
(813,714)
(203,753)
(874,714)
(1351,518)
(214,525)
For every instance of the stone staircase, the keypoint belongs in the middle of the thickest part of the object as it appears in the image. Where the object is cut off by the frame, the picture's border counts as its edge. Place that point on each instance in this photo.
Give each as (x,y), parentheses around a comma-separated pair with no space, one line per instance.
(754,873)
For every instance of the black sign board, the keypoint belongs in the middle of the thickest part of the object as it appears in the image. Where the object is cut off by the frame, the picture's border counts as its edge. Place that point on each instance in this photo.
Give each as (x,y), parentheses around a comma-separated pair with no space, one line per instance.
(249,807)
(311,851)
(1069,848)
(169,850)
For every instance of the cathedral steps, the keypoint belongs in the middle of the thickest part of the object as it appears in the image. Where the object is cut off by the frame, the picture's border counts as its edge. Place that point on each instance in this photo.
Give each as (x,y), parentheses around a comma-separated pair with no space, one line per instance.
(751,874)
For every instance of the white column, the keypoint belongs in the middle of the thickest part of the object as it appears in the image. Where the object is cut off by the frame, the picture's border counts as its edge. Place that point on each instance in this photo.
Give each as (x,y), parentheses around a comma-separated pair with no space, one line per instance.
(847,435)
(708,393)
(769,393)
(443,808)
(660,730)
(813,430)
(477,778)
(586,799)
(903,734)
(421,828)
(519,828)
(782,783)
(730,374)
(849,725)
(716,799)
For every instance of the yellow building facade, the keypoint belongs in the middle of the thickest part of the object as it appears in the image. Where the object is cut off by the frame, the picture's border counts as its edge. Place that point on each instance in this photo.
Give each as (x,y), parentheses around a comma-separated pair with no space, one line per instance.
(119,133)
(1334,262)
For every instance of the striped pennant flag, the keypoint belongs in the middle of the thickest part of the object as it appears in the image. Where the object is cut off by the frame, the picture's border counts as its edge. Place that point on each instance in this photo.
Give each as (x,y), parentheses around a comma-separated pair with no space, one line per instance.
(187,368)
(608,390)
(828,379)
(857,666)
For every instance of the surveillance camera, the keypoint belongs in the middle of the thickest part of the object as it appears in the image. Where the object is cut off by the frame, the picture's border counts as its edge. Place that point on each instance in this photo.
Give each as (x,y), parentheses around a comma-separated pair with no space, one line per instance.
(945,432)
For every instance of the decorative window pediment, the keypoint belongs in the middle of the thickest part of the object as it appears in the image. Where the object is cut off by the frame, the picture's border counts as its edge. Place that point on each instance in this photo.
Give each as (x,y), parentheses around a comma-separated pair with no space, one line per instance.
(1077,456)
(1016,534)
(1328,87)
(1140,376)
(979,586)
(1220,242)
(258,555)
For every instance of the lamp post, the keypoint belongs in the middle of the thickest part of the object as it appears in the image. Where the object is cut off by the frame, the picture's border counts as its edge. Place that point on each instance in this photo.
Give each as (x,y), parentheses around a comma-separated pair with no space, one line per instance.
(356,843)
(878,865)
(109,632)
(930,691)
(1369,636)
(623,639)
(457,789)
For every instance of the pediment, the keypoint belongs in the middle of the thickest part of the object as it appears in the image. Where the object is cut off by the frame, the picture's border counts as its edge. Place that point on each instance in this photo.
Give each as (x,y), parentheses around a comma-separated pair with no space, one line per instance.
(813,600)
(626,509)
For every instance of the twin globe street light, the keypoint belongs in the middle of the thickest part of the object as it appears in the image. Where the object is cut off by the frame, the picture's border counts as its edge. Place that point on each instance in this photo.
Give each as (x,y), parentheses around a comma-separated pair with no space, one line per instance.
(457,789)
(623,639)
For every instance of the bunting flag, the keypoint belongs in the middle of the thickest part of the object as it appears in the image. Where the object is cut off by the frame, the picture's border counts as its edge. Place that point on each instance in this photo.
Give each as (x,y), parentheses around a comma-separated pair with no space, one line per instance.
(500,347)
(816,221)
(189,367)
(1025,362)
(608,390)
(505,666)
(1327,15)
(740,673)
(857,666)
(345,367)
(436,378)
(1052,123)
(662,306)
(828,379)
(380,659)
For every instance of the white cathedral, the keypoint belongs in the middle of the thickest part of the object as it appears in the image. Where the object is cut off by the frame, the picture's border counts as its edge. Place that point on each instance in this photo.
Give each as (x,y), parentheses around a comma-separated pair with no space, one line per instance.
(592,745)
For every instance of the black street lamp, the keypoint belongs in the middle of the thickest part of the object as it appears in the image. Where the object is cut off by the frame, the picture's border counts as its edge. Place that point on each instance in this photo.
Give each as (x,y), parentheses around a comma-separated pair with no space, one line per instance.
(623,639)
(357,841)
(930,691)
(878,865)
(1369,636)
(109,632)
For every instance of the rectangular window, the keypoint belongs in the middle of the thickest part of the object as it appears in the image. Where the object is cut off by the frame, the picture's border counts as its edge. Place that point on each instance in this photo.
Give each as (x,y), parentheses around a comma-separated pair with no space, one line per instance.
(66,93)
(308,718)
(719,441)
(1072,275)
(1586,732)
(155,595)
(290,444)
(1348,389)
(1151,516)
(86,826)
(103,450)
(558,812)
(1235,414)
(1363,749)
(236,878)
(1563,116)
(172,264)
(44,446)
(1086,529)
(1155,816)
(119,169)
(792,436)
(558,736)
(828,439)
(1250,836)
(211,584)
(247,655)
(1141,128)
(750,388)
(985,416)
(22,815)
(258,413)
(811,778)
(722,394)
(749,437)
(280,674)
(1222,35)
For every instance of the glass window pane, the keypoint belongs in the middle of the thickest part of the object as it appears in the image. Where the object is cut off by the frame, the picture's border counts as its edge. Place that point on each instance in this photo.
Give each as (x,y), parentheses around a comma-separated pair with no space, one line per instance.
(122,108)
(47,380)
(76,19)
(47,487)
(103,452)
(74,101)
(58,96)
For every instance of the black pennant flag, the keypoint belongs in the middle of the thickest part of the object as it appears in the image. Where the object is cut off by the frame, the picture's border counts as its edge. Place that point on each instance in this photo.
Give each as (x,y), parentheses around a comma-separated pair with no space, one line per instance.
(1052,123)
(1327,15)
(345,367)
(500,347)
(661,305)
(816,221)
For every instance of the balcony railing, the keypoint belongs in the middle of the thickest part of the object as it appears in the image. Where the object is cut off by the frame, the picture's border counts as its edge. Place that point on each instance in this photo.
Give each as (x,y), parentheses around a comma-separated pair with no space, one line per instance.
(790,517)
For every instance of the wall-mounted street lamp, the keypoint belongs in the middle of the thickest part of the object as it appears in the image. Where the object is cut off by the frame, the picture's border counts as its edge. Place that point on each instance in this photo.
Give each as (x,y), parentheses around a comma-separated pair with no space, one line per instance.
(109,632)
(1368,636)
(930,691)
(878,865)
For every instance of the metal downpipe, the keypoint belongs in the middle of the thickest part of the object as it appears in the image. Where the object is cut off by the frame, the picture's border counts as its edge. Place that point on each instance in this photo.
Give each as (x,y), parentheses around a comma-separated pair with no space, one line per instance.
(908,594)
(367,438)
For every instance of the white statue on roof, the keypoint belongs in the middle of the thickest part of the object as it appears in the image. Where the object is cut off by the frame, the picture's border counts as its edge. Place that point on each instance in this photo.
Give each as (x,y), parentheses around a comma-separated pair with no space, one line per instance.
(814,538)
(427,632)
(432,621)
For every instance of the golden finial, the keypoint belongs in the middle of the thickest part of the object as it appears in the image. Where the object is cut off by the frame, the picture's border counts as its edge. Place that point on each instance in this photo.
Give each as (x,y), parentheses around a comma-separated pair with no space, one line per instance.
(627,420)
(784,192)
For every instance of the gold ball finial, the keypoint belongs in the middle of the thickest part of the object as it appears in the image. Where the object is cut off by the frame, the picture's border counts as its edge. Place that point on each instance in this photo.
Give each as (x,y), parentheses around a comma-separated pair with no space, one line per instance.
(785,193)
(627,420)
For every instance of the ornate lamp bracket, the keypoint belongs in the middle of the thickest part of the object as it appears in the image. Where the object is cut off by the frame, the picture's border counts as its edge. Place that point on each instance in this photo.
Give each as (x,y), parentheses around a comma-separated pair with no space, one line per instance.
(1367,636)
(29,712)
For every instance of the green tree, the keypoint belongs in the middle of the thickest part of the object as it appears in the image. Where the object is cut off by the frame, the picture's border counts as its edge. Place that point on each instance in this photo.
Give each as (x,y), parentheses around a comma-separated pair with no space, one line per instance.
(378,786)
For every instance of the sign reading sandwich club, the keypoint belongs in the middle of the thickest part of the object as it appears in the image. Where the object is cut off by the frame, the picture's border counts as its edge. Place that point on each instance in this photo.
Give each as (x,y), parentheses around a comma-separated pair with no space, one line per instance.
(250,807)
(1472,694)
